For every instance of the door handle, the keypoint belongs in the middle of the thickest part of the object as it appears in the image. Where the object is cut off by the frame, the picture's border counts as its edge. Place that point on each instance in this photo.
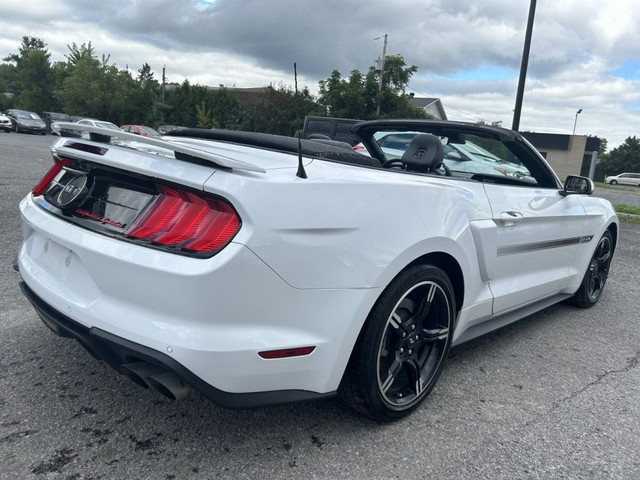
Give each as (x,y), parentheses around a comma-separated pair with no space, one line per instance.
(510,217)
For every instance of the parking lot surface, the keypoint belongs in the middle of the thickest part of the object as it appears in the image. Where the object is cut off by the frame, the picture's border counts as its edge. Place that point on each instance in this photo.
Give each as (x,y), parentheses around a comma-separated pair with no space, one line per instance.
(556,395)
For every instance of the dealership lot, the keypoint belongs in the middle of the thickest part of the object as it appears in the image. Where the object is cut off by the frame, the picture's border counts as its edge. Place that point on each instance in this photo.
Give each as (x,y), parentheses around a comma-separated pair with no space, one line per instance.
(555,395)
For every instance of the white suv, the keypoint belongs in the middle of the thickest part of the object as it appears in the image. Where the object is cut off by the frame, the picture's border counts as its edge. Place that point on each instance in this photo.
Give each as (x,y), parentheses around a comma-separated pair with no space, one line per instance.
(624,179)
(5,123)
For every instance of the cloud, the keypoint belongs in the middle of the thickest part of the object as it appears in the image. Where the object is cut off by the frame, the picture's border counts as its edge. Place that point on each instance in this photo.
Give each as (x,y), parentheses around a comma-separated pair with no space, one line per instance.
(584,53)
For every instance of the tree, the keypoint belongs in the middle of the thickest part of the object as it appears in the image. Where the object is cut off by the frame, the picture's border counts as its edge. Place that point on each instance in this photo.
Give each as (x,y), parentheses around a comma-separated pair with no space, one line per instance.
(359,95)
(278,111)
(144,105)
(145,75)
(93,88)
(624,158)
(29,44)
(81,91)
(203,116)
(30,79)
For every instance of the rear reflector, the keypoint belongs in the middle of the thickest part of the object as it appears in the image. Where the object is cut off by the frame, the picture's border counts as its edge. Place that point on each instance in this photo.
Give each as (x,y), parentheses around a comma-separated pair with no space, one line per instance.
(186,221)
(287,352)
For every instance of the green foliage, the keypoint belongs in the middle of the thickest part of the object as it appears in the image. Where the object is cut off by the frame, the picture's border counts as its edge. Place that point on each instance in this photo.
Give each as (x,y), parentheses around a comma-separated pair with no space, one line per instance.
(30,78)
(203,116)
(360,95)
(87,85)
(277,111)
(623,208)
(602,148)
(624,158)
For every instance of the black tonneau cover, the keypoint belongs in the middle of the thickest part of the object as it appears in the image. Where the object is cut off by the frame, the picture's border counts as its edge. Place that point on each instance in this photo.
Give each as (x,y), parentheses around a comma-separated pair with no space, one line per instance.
(327,150)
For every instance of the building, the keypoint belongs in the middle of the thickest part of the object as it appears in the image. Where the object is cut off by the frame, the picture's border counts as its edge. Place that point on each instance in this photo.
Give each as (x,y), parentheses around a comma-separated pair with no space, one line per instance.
(433,106)
(567,154)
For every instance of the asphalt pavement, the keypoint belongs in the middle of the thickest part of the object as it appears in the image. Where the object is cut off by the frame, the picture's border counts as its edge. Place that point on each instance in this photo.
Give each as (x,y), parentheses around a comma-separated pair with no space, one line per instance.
(556,395)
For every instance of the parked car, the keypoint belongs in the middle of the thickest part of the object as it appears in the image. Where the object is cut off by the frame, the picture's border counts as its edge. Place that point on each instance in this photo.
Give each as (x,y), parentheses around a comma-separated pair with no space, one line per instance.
(70,132)
(261,269)
(140,130)
(5,122)
(25,121)
(52,117)
(166,129)
(623,179)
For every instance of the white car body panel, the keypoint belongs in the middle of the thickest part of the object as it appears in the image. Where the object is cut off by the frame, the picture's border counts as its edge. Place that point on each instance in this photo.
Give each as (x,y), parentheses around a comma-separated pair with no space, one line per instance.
(309,262)
(538,232)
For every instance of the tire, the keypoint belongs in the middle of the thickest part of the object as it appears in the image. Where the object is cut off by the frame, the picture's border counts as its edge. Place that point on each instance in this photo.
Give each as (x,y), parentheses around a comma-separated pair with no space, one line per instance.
(596,275)
(403,345)
(16,128)
(613,182)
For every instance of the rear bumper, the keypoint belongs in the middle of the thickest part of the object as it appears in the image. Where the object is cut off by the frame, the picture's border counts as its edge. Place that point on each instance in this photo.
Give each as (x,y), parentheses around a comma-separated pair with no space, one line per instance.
(117,351)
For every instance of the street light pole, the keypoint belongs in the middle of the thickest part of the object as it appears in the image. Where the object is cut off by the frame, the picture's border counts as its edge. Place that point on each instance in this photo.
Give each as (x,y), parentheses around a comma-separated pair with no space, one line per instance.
(576,121)
(384,54)
(523,67)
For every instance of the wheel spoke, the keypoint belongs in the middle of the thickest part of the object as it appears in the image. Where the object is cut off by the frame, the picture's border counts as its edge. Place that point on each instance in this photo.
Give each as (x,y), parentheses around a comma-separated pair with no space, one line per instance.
(423,309)
(394,368)
(395,321)
(430,335)
(414,369)
(402,327)
(603,253)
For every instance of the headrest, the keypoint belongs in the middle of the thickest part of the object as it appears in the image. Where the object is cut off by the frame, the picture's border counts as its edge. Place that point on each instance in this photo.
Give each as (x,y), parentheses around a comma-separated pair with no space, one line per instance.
(424,153)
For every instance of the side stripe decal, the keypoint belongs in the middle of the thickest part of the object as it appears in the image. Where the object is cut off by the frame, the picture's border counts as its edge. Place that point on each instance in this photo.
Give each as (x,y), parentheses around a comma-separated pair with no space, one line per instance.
(532,247)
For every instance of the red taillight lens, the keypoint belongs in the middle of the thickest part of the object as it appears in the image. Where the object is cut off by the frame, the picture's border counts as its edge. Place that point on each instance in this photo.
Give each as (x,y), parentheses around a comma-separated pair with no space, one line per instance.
(186,221)
(58,165)
(286,352)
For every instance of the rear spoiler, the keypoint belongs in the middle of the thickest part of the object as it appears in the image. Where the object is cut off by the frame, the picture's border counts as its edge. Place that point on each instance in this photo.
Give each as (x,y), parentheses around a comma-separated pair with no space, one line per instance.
(104,135)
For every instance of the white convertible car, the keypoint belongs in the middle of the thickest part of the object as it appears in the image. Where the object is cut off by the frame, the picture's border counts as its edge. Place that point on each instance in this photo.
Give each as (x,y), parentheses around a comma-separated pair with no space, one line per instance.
(261,269)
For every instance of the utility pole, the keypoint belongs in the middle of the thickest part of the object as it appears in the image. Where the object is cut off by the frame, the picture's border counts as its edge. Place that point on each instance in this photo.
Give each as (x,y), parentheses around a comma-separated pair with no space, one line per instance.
(384,54)
(163,82)
(523,67)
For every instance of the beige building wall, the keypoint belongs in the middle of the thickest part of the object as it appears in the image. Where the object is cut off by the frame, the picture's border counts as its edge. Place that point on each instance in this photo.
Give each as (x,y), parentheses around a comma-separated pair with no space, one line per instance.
(567,162)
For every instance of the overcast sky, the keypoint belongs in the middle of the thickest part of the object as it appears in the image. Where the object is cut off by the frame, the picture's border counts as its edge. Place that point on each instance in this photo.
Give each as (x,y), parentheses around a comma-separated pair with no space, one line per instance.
(585,54)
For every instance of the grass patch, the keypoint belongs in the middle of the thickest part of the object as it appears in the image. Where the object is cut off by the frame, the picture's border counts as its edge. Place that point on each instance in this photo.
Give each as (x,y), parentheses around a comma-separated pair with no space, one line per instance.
(622,208)
(628,213)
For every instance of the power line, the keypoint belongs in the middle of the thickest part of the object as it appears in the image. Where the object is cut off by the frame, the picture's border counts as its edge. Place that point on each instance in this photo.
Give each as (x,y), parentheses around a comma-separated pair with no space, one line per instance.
(470,115)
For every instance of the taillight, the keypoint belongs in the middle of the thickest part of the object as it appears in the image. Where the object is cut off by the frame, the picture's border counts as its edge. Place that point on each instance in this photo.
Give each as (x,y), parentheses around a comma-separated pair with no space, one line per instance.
(186,221)
(58,165)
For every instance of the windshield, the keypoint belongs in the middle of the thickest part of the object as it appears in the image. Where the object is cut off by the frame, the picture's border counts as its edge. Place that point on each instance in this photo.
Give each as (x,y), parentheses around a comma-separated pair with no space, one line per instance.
(28,115)
(108,125)
(465,155)
(149,131)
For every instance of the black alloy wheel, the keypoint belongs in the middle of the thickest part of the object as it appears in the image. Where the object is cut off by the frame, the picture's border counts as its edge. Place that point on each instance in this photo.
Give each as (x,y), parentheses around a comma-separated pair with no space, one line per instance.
(596,275)
(401,351)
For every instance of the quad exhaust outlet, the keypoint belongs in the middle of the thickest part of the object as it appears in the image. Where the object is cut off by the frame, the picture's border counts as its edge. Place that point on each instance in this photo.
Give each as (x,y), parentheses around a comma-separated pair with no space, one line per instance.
(157,378)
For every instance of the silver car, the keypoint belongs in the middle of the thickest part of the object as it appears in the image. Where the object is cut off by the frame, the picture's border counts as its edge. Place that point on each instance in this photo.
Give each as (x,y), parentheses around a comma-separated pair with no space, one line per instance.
(24,121)
(623,179)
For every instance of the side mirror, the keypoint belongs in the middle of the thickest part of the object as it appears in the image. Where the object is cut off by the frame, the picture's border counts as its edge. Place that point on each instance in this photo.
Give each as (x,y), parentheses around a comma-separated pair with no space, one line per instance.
(575,184)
